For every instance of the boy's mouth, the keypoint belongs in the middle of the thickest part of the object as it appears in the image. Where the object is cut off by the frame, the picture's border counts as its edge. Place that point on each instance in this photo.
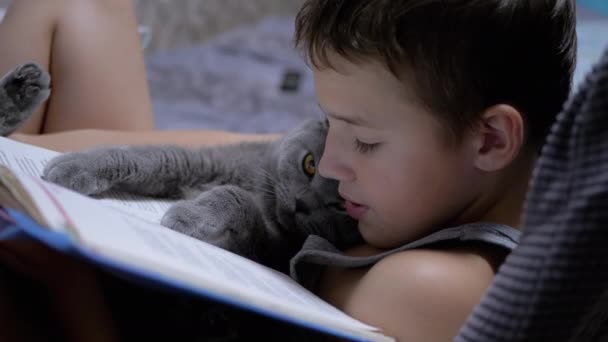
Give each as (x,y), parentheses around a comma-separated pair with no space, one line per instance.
(355,210)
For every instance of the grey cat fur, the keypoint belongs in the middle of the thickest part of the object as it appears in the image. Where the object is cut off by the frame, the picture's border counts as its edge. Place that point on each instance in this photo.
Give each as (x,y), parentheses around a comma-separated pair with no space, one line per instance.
(251,198)
(254,199)
(22,90)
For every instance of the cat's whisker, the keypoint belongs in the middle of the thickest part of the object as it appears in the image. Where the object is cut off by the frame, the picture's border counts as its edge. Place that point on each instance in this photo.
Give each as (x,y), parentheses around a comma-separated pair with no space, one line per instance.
(267,185)
(301,191)
(268,188)
(267,192)
(282,192)
(266,175)
(266,180)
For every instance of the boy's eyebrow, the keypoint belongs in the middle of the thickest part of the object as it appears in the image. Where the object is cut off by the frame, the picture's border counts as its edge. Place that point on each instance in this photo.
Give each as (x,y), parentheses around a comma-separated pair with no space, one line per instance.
(354,120)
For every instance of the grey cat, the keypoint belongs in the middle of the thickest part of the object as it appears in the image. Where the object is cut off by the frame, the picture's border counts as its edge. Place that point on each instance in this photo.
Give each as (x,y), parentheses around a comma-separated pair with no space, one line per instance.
(258,199)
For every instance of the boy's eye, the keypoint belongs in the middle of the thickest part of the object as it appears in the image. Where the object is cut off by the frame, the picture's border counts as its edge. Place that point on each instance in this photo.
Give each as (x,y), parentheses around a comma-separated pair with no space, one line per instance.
(308,165)
(364,147)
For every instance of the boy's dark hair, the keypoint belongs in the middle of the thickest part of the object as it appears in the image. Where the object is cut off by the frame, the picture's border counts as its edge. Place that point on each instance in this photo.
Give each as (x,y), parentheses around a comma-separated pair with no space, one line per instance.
(461,56)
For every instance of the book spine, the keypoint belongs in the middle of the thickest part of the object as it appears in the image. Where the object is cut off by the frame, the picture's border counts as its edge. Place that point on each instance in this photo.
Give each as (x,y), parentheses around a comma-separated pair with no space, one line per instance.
(24,225)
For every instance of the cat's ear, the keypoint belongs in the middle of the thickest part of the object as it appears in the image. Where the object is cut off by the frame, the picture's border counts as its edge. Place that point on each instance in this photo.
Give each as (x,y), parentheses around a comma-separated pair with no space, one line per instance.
(325,123)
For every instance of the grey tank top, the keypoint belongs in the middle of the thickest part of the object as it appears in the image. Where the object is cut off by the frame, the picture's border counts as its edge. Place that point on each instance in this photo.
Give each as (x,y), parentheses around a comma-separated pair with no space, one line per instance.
(307,264)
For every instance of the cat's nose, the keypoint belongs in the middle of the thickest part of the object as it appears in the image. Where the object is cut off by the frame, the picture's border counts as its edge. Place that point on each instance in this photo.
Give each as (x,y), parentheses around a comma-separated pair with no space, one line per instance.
(302,207)
(337,206)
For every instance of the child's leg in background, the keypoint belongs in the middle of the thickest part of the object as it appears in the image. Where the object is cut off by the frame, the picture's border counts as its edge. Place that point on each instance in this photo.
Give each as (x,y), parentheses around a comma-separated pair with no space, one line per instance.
(92,50)
(93,53)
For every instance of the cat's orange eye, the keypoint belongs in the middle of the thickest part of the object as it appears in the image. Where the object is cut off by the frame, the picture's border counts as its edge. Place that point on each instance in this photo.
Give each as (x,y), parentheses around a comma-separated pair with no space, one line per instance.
(308,165)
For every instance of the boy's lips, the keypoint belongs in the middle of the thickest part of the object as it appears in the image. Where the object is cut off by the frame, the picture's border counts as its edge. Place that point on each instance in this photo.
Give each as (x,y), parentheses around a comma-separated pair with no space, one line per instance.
(355,210)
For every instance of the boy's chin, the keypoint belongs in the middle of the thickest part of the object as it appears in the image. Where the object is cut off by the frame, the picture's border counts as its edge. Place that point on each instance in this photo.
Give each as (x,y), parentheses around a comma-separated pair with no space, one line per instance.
(383,236)
(372,234)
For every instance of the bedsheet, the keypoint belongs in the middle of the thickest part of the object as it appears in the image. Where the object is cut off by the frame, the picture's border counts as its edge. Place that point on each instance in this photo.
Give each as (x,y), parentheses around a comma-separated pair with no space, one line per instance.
(250,79)
(234,82)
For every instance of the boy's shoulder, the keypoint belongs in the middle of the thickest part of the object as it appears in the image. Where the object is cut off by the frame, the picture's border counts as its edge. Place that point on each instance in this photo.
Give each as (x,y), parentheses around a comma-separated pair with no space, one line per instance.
(440,273)
(427,286)
(429,265)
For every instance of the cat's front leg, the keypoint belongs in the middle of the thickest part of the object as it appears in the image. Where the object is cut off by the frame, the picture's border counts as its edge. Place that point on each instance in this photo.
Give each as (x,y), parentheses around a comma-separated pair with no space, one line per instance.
(90,172)
(21,92)
(143,170)
(226,216)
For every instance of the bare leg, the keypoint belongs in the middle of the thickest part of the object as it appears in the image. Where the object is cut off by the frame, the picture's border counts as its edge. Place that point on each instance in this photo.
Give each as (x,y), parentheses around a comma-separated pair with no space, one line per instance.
(92,50)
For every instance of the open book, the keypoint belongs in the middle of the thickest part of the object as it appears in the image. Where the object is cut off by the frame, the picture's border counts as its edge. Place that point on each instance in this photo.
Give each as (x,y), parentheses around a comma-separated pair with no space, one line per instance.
(123,233)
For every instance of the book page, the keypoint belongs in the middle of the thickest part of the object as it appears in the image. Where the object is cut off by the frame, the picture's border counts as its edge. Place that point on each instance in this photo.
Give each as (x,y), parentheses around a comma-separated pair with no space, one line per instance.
(35,199)
(29,159)
(157,250)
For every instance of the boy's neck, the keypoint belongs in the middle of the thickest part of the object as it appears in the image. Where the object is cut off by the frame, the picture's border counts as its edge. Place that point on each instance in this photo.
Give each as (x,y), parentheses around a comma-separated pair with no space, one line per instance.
(505,202)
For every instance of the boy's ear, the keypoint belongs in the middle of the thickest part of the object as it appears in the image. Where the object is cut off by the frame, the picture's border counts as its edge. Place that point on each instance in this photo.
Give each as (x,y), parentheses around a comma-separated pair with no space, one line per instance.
(498,138)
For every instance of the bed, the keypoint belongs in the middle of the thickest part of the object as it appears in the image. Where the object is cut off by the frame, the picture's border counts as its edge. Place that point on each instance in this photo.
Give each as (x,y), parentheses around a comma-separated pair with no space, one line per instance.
(233,81)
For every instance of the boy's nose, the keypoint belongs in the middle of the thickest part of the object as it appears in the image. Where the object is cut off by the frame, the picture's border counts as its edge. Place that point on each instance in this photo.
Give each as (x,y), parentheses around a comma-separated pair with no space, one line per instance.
(334,163)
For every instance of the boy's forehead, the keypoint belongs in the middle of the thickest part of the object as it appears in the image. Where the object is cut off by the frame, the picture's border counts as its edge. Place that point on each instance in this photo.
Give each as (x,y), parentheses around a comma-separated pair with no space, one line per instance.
(365,86)
(365,73)
(364,106)
(353,118)
(352,67)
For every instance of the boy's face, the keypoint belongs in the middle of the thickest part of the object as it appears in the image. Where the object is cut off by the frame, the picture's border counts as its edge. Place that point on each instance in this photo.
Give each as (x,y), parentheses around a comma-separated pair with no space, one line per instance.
(398,177)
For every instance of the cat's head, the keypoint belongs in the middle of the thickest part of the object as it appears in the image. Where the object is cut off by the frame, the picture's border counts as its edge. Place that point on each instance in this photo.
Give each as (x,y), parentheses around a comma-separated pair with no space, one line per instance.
(306,201)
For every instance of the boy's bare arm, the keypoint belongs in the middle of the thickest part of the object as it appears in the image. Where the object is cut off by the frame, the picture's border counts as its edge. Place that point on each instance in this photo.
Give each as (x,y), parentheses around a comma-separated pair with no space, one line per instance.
(419,295)
(82,139)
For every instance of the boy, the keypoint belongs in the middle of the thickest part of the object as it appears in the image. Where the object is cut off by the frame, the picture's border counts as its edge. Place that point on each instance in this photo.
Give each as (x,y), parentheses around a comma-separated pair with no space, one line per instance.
(437,110)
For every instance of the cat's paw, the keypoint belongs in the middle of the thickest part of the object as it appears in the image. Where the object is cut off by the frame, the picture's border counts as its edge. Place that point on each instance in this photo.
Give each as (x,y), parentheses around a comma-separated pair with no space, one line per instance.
(27,86)
(223,216)
(21,92)
(198,220)
(83,172)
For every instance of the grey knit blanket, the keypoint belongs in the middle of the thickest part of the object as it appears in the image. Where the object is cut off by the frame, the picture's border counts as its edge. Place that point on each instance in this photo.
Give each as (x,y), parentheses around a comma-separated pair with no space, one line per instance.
(554,285)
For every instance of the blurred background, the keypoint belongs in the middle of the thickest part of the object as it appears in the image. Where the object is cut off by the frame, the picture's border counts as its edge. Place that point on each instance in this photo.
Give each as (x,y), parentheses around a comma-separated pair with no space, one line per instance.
(225,64)
(182,22)
(230,64)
